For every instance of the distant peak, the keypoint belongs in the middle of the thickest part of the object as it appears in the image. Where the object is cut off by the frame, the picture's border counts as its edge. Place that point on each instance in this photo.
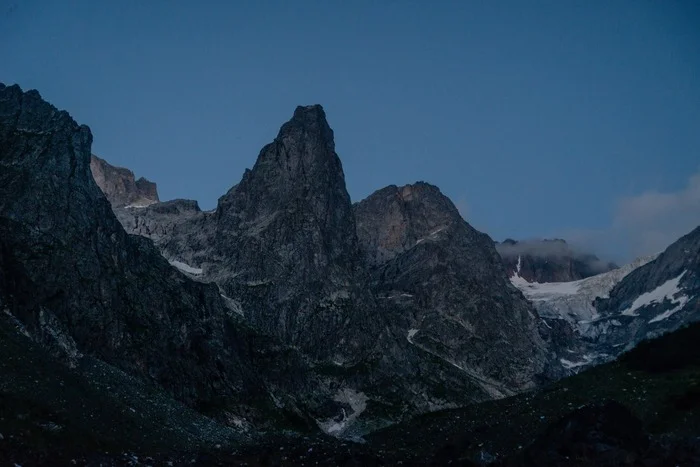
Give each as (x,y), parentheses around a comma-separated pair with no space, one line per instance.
(555,240)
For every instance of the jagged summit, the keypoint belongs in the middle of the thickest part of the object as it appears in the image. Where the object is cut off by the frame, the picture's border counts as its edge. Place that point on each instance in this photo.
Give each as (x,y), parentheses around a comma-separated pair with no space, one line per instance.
(309,122)
(313,110)
(45,117)
(300,164)
(289,225)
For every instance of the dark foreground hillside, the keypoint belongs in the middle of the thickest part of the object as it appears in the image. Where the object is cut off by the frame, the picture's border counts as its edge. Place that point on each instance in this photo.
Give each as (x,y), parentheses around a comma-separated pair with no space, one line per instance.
(641,410)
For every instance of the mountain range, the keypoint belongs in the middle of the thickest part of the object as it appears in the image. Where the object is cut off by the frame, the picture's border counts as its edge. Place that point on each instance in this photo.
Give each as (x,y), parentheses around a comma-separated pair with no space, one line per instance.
(286,311)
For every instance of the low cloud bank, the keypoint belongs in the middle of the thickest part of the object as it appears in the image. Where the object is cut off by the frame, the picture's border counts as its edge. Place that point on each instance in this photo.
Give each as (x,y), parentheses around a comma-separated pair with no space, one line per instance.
(644,224)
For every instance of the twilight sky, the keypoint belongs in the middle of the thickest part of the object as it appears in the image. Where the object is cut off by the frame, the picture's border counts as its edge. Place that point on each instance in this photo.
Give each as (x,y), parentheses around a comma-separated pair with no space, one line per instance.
(578,119)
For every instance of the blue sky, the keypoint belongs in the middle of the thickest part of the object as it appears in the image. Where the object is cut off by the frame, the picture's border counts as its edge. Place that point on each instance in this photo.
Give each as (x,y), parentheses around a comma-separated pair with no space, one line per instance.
(537,118)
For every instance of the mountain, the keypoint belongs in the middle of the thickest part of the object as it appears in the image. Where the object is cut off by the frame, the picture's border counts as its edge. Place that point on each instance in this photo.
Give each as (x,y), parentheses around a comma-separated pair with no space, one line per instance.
(301,263)
(281,243)
(549,261)
(603,315)
(120,185)
(445,288)
(74,281)
(255,330)
(277,273)
(285,244)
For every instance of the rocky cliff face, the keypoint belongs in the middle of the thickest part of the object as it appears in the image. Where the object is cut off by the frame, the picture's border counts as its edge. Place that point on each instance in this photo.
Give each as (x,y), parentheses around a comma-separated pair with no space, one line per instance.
(445,288)
(78,284)
(285,244)
(281,243)
(398,292)
(120,185)
(549,261)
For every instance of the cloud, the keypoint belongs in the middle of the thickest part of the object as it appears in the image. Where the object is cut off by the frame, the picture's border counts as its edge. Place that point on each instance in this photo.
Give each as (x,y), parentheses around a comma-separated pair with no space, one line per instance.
(644,224)
(552,248)
(535,247)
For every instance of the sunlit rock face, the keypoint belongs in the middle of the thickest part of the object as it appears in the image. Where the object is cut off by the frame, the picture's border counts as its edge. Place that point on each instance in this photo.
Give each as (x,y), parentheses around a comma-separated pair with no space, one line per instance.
(120,185)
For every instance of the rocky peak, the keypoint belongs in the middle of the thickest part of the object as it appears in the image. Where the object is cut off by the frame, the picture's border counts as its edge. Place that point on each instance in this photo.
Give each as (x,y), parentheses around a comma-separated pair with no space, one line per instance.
(288,227)
(445,289)
(310,119)
(120,186)
(299,168)
(394,219)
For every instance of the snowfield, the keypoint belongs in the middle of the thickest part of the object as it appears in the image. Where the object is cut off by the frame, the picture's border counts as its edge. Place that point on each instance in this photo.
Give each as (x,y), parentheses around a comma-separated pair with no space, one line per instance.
(573,301)
(602,337)
(666,291)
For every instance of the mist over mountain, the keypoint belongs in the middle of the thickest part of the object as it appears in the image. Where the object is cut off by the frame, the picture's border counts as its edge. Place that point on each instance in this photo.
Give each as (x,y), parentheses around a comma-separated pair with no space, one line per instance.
(550,260)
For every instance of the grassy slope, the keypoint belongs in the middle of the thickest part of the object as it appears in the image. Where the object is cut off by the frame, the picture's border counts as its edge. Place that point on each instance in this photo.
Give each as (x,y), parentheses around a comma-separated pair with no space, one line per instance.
(51,413)
(659,381)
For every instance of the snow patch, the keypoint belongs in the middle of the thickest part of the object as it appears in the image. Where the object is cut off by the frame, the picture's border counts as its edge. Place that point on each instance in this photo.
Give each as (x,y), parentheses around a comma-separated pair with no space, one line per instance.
(411,333)
(682,301)
(237,421)
(665,291)
(432,235)
(541,291)
(17,323)
(569,364)
(587,360)
(186,267)
(339,295)
(357,402)
(231,304)
(258,282)
(396,295)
